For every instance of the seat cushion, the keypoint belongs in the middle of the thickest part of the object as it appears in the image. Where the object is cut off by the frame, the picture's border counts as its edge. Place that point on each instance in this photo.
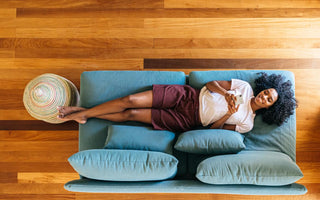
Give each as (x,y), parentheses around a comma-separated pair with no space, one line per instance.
(262,137)
(249,167)
(124,165)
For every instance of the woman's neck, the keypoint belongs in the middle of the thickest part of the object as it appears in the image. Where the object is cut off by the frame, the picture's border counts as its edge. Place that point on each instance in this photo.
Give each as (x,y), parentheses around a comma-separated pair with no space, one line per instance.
(254,106)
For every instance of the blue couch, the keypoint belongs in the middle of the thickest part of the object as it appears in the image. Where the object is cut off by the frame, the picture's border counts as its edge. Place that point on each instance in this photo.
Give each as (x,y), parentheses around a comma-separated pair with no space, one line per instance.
(100,86)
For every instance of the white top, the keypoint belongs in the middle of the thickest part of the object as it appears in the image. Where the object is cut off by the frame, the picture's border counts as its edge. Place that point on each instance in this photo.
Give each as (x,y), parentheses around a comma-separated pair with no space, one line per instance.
(213,106)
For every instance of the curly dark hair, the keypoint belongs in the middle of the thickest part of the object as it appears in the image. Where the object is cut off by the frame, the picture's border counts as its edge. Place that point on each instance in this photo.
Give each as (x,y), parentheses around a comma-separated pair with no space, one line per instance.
(281,110)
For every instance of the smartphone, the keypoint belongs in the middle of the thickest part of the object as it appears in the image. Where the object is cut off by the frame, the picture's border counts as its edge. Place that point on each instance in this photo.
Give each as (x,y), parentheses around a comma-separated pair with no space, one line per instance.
(238,99)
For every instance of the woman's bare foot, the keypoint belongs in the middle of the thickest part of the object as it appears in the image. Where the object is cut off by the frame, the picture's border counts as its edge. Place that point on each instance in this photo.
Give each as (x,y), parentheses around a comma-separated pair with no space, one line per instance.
(66,110)
(68,113)
(77,116)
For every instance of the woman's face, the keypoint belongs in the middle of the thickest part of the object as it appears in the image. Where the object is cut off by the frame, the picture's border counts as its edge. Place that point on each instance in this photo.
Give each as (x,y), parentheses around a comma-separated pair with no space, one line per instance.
(266,98)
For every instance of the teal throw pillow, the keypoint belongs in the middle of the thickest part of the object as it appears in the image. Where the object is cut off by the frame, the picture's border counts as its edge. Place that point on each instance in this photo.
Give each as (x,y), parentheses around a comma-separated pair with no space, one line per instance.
(139,138)
(124,165)
(249,167)
(210,141)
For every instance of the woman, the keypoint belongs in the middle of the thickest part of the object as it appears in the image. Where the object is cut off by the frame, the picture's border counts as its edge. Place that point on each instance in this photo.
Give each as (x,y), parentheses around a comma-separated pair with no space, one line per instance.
(181,108)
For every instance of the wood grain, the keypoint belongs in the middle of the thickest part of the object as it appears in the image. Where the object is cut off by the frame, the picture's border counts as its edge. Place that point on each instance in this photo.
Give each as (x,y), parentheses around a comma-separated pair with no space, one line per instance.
(67,37)
(232,63)
(38,196)
(36,125)
(8,13)
(170,32)
(241,4)
(235,43)
(168,12)
(37,166)
(81,4)
(37,135)
(46,177)
(166,53)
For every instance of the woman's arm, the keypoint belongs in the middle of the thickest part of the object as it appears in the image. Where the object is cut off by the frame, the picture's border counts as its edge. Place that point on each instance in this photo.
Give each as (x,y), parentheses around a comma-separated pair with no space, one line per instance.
(220,124)
(220,87)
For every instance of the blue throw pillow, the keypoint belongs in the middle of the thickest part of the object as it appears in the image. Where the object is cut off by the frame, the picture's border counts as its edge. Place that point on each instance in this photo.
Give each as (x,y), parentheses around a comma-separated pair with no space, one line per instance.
(124,165)
(249,167)
(210,141)
(139,138)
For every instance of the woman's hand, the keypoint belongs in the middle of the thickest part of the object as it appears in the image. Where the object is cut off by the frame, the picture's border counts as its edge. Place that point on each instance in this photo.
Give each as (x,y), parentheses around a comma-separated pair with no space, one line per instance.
(232,108)
(229,97)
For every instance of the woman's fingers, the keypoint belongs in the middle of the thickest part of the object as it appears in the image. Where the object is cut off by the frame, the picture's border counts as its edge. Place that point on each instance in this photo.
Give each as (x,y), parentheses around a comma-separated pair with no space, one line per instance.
(232,108)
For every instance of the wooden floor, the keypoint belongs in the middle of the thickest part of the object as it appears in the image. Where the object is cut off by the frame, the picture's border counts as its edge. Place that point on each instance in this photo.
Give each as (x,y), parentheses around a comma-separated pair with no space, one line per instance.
(68,37)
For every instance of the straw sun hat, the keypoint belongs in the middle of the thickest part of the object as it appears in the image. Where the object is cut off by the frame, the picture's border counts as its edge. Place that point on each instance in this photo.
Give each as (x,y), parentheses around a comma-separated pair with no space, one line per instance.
(45,93)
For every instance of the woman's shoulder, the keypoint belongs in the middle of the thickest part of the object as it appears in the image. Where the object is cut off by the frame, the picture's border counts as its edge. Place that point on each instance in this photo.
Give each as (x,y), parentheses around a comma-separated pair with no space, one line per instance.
(236,83)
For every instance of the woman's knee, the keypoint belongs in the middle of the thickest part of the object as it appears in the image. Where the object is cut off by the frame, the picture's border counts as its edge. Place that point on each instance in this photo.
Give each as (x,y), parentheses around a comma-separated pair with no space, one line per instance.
(127,101)
(143,99)
(129,114)
(141,115)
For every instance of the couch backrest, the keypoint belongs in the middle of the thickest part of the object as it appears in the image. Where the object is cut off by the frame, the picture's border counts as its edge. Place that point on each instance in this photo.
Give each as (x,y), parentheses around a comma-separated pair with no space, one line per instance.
(100,86)
(263,136)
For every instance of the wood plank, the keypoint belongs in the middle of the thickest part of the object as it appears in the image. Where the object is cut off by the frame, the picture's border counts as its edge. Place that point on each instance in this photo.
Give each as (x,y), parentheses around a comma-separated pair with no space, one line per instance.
(310,172)
(168,13)
(8,43)
(241,4)
(37,196)
(8,177)
(34,188)
(235,43)
(232,23)
(81,4)
(7,33)
(172,32)
(6,53)
(78,64)
(308,156)
(27,74)
(113,43)
(40,166)
(57,146)
(68,68)
(51,177)
(23,135)
(8,13)
(11,99)
(36,156)
(72,22)
(15,114)
(232,63)
(168,53)
(36,125)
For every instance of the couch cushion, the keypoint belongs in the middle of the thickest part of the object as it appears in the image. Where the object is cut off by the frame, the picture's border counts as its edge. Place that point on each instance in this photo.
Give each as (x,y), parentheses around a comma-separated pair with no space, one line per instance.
(263,136)
(100,86)
(249,167)
(139,138)
(183,186)
(211,141)
(124,165)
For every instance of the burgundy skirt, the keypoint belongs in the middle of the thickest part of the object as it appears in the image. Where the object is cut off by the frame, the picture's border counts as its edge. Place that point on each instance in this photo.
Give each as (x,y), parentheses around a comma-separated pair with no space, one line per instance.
(175,108)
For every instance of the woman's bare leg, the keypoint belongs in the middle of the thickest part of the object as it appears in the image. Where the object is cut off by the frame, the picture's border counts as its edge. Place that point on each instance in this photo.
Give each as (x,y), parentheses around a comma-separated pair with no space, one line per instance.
(138,115)
(66,110)
(139,100)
